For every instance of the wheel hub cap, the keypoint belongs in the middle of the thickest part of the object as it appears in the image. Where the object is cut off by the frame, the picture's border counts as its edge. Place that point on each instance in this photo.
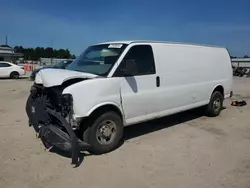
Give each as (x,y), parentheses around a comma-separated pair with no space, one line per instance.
(106,132)
(216,104)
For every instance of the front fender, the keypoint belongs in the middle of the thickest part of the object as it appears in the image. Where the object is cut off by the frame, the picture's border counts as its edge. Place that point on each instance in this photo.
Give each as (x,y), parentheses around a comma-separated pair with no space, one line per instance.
(90,94)
(105,104)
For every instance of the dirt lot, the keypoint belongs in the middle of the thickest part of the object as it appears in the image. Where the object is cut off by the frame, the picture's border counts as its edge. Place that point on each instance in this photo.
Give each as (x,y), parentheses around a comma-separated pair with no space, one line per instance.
(185,150)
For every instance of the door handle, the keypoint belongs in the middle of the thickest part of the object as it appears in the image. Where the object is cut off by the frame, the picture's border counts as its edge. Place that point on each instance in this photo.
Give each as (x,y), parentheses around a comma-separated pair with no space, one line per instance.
(158,81)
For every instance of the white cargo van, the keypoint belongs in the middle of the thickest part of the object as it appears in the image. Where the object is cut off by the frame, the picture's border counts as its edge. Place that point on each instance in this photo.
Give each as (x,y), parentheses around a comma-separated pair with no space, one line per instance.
(116,84)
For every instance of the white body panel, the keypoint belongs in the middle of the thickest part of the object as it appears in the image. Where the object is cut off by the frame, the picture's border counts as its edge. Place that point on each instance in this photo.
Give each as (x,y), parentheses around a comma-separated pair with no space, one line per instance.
(6,71)
(90,94)
(55,77)
(188,75)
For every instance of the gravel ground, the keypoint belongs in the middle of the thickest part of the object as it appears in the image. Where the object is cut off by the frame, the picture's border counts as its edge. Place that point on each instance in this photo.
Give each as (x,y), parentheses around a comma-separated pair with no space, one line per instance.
(184,150)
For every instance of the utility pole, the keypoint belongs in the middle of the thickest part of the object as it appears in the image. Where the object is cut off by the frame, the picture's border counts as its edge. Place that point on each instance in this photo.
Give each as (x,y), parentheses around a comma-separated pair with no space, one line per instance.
(52,53)
(6,40)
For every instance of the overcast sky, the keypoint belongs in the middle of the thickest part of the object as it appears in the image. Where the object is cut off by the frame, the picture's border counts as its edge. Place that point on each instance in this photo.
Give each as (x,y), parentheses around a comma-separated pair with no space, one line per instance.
(75,24)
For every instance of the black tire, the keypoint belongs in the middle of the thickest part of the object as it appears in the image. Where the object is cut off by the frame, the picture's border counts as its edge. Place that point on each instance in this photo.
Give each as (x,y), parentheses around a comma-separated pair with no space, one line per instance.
(32,78)
(90,134)
(215,105)
(14,75)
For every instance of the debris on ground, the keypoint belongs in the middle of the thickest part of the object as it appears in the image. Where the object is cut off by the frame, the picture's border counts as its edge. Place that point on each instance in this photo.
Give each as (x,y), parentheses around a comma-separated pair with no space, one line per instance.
(238,103)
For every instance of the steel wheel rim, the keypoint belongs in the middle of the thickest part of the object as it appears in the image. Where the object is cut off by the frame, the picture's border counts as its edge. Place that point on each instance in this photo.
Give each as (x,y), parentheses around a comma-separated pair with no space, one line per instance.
(106,132)
(217,104)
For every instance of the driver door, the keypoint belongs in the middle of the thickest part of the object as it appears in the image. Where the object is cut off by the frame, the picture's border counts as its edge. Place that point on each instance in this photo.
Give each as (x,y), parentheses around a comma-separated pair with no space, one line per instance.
(139,84)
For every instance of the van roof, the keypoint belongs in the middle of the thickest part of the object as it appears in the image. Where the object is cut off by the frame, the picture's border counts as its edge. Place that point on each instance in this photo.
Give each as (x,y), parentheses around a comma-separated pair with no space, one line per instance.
(149,41)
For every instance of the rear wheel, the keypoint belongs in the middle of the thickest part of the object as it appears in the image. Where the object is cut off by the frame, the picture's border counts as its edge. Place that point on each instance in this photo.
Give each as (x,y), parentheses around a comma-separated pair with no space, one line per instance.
(104,133)
(14,75)
(215,105)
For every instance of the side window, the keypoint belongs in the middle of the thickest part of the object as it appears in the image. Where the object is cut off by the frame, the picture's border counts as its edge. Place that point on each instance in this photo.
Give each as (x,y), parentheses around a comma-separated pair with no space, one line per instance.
(138,61)
(4,65)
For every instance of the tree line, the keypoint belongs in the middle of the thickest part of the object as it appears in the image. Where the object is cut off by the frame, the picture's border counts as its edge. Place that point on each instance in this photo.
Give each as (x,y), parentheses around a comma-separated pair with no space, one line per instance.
(36,53)
(245,56)
(39,52)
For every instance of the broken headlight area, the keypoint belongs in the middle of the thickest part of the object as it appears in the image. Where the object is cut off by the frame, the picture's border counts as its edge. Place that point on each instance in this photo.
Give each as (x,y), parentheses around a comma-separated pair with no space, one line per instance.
(51,115)
(67,111)
(66,106)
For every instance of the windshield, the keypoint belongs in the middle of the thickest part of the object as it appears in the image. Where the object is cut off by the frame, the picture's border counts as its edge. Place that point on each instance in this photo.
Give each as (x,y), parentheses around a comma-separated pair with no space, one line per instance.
(98,59)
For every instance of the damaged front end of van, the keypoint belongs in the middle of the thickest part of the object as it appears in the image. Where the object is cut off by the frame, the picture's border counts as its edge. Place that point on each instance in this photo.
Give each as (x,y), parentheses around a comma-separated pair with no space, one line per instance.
(50,112)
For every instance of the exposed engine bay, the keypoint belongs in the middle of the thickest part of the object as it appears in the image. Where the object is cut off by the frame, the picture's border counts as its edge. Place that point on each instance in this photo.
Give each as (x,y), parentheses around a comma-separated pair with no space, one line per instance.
(50,113)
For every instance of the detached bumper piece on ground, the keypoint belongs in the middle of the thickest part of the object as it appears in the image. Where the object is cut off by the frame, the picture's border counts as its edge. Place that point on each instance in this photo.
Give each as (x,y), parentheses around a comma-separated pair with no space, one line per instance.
(239,103)
(52,128)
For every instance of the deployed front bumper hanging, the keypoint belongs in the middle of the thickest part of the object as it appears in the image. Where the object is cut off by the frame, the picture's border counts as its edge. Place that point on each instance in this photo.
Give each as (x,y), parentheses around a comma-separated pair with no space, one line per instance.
(60,135)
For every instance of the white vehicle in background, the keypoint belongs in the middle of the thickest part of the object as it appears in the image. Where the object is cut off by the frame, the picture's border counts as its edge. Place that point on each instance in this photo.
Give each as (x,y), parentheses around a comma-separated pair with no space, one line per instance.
(117,84)
(10,70)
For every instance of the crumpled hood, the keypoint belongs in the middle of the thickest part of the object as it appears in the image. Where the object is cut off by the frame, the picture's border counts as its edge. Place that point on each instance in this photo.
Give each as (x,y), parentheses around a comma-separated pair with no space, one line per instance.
(55,77)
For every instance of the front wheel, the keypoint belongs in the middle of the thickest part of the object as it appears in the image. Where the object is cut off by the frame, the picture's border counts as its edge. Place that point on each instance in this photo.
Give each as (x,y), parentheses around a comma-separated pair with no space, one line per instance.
(104,133)
(215,105)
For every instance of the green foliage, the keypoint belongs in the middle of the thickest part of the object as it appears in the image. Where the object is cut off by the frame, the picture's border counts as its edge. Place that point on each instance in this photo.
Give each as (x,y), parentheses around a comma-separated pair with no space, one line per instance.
(4,45)
(40,52)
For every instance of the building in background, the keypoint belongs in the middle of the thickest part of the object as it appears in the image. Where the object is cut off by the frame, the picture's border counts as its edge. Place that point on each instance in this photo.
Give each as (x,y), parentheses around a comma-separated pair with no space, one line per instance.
(241,62)
(8,54)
